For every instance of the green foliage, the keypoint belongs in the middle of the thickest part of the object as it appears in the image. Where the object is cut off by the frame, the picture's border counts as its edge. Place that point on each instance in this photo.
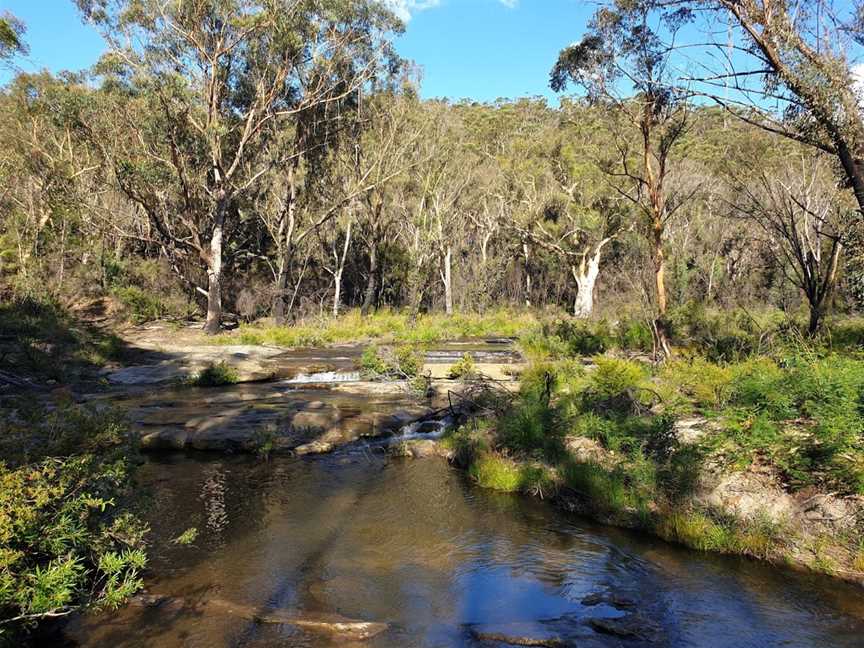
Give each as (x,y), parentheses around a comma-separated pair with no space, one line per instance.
(403,361)
(42,340)
(187,537)
(409,360)
(372,363)
(214,375)
(634,335)
(491,470)
(143,306)
(614,378)
(66,540)
(605,490)
(532,424)
(496,472)
(567,337)
(696,530)
(462,369)
(804,415)
(703,383)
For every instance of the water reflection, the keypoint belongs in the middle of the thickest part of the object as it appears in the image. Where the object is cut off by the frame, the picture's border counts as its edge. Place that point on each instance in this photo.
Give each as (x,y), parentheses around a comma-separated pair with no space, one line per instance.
(412,544)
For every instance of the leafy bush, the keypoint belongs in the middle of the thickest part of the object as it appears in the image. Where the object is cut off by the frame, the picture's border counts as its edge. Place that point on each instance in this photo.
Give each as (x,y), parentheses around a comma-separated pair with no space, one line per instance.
(214,375)
(462,369)
(143,306)
(66,538)
(614,377)
(804,416)
(372,363)
(405,361)
(634,335)
(704,383)
(604,490)
(409,360)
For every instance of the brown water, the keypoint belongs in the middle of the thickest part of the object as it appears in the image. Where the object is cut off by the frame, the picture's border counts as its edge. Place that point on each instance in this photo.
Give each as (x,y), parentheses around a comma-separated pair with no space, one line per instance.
(414,545)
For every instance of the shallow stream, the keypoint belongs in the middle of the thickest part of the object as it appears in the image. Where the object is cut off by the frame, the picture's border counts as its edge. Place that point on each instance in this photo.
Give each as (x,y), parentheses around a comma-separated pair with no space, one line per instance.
(414,545)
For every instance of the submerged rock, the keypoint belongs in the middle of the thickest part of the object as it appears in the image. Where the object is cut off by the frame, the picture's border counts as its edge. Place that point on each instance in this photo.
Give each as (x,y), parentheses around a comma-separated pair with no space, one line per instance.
(513,640)
(618,602)
(629,626)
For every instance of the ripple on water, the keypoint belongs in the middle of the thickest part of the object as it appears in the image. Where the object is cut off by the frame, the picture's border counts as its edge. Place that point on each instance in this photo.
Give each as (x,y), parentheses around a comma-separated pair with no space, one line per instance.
(414,544)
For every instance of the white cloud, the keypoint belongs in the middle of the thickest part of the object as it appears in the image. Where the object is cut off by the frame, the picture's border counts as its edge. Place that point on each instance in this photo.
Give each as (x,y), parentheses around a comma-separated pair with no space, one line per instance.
(407,8)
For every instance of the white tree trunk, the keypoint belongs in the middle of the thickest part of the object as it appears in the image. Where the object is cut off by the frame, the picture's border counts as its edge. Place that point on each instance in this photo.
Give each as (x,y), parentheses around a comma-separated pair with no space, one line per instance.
(448,281)
(527,275)
(585,276)
(214,274)
(340,270)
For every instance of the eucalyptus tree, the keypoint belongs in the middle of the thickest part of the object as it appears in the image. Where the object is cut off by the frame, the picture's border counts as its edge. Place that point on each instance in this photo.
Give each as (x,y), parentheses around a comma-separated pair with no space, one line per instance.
(201,88)
(566,207)
(800,61)
(623,63)
(389,149)
(12,43)
(51,177)
(803,220)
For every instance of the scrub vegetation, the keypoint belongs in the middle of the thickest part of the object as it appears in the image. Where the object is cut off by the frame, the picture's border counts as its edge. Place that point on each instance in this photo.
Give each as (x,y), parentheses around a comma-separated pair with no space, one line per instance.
(604,437)
(68,540)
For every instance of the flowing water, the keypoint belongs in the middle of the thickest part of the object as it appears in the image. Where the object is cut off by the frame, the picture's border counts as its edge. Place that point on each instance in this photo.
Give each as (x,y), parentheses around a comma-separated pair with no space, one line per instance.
(414,545)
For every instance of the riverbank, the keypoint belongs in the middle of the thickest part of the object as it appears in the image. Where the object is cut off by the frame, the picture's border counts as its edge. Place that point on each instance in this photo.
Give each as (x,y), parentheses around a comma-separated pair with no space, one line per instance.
(761,458)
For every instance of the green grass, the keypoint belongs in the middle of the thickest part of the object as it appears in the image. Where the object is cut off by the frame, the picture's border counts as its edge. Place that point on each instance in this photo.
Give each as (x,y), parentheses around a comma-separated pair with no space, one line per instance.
(798,408)
(386,326)
(496,472)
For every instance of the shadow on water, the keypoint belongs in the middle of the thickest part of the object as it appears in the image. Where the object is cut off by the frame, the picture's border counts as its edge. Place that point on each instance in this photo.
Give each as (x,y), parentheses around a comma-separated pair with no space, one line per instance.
(414,545)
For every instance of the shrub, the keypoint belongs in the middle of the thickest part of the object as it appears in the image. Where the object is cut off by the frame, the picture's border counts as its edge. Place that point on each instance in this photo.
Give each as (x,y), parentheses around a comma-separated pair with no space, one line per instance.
(215,375)
(496,472)
(634,335)
(143,306)
(409,360)
(603,490)
(615,377)
(66,540)
(704,383)
(462,369)
(405,361)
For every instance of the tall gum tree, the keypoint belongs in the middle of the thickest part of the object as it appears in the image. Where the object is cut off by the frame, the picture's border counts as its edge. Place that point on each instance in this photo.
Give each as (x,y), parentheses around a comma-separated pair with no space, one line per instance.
(623,63)
(202,86)
(565,206)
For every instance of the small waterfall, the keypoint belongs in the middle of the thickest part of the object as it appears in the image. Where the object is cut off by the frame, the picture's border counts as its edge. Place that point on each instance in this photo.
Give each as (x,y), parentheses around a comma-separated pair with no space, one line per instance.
(429,429)
(325,377)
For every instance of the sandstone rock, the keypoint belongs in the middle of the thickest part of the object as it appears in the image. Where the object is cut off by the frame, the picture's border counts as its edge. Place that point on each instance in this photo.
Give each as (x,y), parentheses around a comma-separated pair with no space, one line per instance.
(167,439)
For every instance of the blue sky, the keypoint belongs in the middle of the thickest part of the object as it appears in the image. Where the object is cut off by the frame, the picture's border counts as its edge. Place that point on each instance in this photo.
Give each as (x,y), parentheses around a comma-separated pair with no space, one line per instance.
(478,49)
